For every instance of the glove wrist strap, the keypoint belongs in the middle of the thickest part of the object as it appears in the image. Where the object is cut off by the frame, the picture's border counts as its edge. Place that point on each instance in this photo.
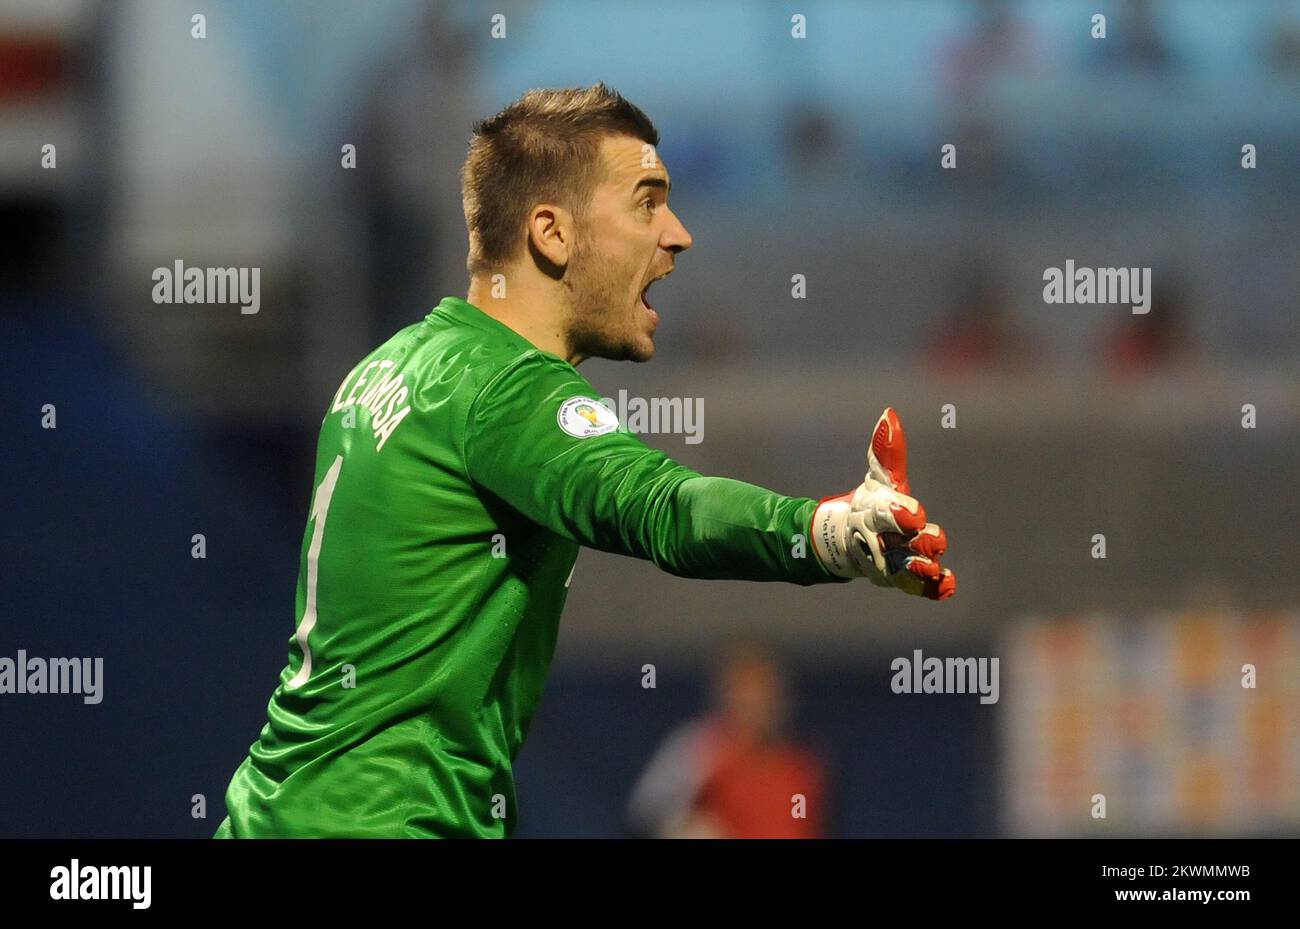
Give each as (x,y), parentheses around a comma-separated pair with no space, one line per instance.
(830,537)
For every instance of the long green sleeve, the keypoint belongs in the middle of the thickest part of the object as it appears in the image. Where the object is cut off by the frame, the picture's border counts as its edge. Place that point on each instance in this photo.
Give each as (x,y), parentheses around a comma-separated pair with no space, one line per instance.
(612,492)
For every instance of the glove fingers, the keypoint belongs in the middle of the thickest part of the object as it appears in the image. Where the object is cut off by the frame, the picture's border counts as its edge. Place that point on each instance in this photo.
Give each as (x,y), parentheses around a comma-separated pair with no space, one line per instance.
(884,510)
(923,567)
(908,517)
(899,561)
(931,541)
(941,588)
(920,576)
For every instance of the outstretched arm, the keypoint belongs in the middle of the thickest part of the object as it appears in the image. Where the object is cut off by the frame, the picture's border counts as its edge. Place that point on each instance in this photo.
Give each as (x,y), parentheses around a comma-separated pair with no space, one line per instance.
(583,478)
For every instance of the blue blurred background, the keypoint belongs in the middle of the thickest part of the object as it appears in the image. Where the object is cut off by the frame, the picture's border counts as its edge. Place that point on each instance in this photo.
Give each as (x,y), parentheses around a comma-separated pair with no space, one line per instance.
(816,156)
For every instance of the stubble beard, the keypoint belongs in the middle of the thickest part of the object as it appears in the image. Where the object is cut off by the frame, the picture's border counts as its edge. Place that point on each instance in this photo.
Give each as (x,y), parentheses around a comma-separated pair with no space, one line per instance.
(595,319)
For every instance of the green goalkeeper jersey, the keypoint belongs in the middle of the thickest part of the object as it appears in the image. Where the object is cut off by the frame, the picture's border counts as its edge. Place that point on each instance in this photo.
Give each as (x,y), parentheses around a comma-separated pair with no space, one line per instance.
(459,469)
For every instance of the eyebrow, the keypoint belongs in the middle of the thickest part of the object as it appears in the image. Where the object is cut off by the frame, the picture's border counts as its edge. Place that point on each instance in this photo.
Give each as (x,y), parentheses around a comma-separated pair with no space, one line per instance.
(659,182)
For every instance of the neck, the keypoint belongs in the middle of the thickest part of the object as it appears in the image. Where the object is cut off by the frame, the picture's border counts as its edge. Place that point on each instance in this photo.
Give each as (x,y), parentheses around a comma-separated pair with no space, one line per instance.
(533,309)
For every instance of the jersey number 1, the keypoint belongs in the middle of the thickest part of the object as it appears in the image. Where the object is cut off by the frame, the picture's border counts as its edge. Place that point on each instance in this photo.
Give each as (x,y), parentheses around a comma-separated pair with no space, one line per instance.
(319,508)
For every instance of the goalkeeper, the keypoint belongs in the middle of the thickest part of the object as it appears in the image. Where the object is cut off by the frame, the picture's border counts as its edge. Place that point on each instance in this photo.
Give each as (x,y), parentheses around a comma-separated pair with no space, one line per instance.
(463,462)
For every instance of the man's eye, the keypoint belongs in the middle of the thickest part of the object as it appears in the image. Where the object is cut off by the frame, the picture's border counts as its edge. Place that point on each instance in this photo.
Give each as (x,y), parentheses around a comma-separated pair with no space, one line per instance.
(649,203)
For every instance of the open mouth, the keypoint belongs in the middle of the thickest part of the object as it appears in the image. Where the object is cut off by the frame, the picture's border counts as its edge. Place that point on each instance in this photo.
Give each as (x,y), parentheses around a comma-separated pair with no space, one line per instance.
(645,291)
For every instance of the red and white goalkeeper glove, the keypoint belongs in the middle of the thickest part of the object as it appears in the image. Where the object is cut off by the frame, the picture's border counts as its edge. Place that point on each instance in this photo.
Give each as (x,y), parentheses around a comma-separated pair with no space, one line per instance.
(877,530)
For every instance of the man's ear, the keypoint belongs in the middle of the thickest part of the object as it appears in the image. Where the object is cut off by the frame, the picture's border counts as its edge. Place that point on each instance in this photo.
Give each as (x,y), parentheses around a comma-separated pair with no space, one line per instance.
(550,237)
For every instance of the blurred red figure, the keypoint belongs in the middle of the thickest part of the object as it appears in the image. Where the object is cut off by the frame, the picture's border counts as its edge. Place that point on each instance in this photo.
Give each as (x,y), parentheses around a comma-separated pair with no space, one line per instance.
(1140,344)
(734,774)
(977,335)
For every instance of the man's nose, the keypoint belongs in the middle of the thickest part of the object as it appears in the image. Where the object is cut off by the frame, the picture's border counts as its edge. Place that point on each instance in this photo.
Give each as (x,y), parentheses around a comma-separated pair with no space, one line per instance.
(676,238)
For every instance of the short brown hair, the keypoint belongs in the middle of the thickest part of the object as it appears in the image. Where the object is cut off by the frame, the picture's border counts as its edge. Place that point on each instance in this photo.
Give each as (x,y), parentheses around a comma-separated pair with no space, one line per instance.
(541,148)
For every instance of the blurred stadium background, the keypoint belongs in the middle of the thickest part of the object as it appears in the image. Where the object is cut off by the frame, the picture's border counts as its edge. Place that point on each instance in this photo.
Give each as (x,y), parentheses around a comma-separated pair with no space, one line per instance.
(817,157)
